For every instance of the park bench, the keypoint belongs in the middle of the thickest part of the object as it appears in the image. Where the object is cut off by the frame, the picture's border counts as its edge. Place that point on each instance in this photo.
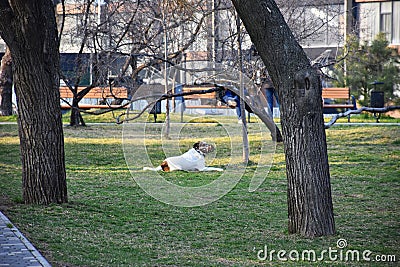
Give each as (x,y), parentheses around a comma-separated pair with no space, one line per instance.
(207,101)
(340,97)
(102,95)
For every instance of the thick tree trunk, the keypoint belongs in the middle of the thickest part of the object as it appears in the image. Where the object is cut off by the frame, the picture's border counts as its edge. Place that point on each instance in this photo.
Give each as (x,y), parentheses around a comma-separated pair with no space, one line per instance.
(6,82)
(29,29)
(310,208)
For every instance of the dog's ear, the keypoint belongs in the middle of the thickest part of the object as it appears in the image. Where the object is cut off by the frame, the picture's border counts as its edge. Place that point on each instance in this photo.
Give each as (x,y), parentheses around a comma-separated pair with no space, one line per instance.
(196,145)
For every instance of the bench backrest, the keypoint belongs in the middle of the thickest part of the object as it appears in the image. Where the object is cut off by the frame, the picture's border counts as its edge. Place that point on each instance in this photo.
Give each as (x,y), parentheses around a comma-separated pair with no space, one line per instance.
(96,92)
(333,92)
(212,95)
(336,92)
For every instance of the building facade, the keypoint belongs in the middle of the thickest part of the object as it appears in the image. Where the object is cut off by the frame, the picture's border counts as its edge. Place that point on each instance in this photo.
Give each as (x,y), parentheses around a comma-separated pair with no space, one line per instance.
(376,16)
(318,25)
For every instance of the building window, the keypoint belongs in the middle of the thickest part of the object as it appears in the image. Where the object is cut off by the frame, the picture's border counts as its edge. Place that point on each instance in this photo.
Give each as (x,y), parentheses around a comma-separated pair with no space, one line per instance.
(386,20)
(396,23)
(320,25)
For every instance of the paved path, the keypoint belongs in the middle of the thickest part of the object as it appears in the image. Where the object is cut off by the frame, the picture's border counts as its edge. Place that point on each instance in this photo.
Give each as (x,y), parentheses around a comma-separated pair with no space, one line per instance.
(15,249)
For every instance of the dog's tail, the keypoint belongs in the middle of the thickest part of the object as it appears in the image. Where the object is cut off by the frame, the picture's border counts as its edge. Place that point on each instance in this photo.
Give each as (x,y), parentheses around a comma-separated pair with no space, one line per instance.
(152,169)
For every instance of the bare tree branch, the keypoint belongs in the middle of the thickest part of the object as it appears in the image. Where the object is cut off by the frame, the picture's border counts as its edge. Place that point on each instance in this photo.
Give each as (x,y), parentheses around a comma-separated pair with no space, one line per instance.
(159,96)
(63,21)
(358,111)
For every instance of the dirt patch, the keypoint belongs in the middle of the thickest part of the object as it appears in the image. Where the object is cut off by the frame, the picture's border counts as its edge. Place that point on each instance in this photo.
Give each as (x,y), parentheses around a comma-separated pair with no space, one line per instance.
(5,203)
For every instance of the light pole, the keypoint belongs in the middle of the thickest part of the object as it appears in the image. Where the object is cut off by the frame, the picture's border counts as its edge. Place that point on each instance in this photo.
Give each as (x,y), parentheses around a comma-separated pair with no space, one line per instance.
(167,117)
(241,94)
(163,21)
(101,27)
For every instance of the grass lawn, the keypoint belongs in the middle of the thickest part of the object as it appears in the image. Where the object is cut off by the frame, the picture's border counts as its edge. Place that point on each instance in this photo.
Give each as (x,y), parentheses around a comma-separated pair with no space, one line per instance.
(111,118)
(111,221)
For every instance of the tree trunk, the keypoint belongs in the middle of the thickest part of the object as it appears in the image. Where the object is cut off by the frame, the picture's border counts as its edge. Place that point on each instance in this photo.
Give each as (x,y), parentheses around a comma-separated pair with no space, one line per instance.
(29,29)
(310,208)
(6,82)
(76,116)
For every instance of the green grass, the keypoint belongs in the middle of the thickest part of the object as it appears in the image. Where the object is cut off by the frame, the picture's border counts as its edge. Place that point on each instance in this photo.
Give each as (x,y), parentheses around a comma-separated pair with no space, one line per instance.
(175,117)
(110,117)
(111,221)
(366,117)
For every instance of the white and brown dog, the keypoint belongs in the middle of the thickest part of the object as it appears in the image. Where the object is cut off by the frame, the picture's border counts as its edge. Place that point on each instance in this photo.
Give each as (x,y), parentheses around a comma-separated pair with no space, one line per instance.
(192,160)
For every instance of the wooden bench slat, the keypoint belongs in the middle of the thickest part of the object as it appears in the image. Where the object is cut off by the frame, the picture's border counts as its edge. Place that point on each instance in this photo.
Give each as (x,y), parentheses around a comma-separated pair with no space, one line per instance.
(197,88)
(91,106)
(207,106)
(205,96)
(340,93)
(338,106)
(335,93)
(95,93)
(336,96)
(346,94)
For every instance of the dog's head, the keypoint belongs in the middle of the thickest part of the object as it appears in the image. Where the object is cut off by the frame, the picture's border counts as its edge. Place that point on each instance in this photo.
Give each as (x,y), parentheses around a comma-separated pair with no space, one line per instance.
(203,147)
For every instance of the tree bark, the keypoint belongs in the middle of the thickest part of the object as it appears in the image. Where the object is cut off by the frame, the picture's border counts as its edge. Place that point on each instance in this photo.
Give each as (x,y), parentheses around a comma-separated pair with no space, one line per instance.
(6,82)
(76,116)
(29,30)
(310,209)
